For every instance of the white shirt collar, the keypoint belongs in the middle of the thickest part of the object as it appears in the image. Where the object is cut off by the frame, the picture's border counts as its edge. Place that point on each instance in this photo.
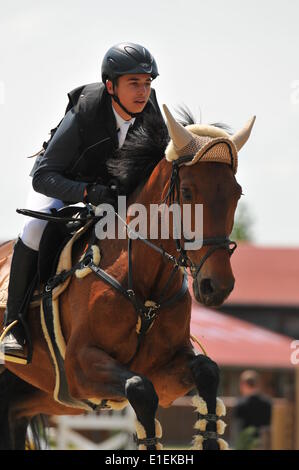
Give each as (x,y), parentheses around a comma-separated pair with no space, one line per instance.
(121,121)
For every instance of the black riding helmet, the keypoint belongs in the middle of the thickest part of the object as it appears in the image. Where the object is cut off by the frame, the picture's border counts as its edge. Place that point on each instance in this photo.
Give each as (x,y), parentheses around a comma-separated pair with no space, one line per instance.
(126,58)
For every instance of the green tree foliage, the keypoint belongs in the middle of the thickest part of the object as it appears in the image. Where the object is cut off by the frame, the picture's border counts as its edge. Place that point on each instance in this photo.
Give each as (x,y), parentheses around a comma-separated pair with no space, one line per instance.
(247,439)
(242,230)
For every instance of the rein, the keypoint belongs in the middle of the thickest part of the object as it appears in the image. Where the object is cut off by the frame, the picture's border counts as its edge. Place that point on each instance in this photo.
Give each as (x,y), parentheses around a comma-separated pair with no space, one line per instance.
(147,311)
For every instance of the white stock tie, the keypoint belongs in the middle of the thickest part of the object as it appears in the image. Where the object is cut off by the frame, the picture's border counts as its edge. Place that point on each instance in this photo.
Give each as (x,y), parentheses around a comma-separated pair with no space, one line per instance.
(122,133)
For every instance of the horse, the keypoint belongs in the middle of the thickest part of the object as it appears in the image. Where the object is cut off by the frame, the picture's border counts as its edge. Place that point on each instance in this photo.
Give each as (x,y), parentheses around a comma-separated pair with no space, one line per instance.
(122,350)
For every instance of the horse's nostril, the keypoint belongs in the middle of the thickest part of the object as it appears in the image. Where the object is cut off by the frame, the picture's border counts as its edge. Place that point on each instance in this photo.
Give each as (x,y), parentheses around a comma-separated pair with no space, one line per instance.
(206,287)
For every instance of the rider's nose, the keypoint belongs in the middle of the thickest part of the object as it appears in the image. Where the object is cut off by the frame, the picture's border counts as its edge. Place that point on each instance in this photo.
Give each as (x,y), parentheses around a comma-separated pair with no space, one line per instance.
(142,90)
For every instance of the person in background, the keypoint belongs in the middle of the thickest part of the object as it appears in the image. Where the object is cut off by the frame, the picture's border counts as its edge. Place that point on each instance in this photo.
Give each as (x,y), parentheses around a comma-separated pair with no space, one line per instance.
(253,410)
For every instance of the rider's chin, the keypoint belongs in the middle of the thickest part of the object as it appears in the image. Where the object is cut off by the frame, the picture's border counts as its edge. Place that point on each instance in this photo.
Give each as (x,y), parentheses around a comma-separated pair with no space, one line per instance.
(139,104)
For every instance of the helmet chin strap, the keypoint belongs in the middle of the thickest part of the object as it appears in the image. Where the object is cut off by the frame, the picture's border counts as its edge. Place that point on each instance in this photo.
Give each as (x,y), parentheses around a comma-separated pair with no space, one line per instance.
(117,100)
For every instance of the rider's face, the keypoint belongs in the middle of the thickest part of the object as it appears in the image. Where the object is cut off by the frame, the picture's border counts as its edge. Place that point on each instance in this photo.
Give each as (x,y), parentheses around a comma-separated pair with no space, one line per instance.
(133,91)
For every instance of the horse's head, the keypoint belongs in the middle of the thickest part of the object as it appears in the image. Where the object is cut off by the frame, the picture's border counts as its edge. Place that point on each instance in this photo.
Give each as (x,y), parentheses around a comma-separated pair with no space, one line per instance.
(205,159)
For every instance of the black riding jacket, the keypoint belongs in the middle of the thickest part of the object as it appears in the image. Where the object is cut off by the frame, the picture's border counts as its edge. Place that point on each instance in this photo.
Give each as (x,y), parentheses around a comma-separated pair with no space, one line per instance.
(82,144)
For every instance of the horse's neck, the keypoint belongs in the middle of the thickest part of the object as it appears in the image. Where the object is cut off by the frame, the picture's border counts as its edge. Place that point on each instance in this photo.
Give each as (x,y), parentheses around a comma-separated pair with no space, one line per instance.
(151,271)
(154,189)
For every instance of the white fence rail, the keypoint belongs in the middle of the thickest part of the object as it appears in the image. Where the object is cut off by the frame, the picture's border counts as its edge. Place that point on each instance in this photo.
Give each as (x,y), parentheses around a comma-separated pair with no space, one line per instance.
(66,432)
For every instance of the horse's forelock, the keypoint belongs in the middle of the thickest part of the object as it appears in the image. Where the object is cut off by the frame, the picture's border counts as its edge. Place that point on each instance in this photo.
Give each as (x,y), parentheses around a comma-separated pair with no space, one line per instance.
(207,130)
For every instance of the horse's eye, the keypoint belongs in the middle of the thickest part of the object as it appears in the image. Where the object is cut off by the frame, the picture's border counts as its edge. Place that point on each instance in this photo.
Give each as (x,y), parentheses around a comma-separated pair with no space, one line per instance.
(187,194)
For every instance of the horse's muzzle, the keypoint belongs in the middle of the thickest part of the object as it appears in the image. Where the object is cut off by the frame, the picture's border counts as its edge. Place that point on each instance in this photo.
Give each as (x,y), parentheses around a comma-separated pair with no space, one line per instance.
(209,292)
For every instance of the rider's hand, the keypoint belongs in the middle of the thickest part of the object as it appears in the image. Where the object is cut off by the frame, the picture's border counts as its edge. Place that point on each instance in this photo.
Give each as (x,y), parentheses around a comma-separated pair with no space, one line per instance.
(99,194)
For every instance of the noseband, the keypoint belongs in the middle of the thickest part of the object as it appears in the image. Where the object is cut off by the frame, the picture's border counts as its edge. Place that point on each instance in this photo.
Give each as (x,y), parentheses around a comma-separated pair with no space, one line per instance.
(215,243)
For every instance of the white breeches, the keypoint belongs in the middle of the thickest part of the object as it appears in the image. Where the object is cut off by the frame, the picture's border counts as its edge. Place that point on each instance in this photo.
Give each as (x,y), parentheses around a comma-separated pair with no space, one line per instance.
(33,229)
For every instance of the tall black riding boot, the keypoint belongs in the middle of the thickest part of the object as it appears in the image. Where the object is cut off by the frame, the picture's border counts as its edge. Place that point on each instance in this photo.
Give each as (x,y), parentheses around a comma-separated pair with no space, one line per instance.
(22,273)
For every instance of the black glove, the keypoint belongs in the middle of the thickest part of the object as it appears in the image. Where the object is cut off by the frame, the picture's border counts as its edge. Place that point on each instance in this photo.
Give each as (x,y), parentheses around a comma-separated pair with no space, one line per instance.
(99,194)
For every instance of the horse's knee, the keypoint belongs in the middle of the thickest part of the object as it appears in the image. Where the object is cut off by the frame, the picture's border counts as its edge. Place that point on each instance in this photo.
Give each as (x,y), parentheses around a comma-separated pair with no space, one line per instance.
(141,393)
(205,373)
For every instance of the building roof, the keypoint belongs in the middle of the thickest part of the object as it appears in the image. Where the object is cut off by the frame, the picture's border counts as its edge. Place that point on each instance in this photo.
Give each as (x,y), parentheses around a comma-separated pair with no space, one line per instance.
(233,342)
(265,276)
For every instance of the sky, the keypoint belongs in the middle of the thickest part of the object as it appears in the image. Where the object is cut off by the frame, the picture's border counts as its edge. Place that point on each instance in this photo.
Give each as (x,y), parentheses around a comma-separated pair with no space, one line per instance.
(225,60)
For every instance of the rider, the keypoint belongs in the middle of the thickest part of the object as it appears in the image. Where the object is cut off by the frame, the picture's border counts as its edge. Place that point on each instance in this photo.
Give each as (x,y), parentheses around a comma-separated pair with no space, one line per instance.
(73,167)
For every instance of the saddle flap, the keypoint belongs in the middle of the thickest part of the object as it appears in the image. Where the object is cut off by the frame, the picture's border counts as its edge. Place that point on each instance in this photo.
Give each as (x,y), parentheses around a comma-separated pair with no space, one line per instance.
(55,237)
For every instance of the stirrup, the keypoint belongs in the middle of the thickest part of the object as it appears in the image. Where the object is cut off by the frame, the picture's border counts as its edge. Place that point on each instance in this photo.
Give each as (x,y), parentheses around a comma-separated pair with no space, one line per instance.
(19,359)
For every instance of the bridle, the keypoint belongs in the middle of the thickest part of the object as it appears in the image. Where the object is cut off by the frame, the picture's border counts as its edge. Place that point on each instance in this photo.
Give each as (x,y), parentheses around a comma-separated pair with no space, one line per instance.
(215,243)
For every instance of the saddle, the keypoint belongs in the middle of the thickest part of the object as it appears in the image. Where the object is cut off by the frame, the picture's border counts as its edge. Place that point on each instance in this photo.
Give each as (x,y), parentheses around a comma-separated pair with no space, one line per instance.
(57,244)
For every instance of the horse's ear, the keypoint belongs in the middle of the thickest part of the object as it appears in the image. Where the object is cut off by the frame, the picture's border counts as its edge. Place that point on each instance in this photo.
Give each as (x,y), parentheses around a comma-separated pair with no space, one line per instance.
(241,137)
(179,134)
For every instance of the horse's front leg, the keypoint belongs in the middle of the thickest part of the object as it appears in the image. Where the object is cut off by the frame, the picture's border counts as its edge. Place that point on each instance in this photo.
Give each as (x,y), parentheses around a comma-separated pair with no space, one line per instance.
(92,373)
(210,408)
(185,372)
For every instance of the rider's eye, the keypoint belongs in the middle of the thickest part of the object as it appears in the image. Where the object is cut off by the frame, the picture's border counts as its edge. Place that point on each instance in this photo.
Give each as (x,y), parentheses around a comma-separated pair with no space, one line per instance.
(187,194)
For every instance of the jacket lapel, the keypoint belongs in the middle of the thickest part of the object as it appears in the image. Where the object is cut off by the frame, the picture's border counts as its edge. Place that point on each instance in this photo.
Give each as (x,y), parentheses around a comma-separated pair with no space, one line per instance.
(110,121)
